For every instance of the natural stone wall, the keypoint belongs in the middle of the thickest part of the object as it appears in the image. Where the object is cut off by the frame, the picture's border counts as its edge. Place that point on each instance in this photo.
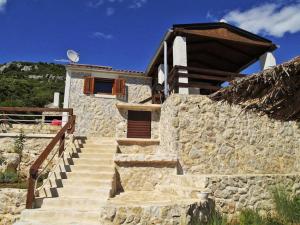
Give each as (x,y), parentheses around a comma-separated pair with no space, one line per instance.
(121,126)
(174,214)
(135,149)
(236,192)
(97,115)
(29,128)
(32,149)
(216,138)
(11,204)
(142,178)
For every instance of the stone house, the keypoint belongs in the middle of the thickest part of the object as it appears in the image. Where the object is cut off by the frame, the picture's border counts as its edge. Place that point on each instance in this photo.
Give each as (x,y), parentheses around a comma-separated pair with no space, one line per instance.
(191,57)
(157,148)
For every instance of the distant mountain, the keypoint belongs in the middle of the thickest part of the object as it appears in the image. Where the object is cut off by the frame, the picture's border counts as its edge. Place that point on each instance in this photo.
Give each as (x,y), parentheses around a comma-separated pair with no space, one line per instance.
(30,84)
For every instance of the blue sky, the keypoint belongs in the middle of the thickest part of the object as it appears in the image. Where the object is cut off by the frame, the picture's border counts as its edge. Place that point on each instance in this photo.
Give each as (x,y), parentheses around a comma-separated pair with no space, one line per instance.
(126,33)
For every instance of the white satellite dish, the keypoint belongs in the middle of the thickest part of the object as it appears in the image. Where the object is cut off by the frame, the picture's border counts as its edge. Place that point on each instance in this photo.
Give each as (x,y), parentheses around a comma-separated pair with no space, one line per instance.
(73,56)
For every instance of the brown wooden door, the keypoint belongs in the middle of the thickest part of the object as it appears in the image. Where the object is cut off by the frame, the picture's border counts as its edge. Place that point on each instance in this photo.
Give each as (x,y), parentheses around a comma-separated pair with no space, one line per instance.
(139,124)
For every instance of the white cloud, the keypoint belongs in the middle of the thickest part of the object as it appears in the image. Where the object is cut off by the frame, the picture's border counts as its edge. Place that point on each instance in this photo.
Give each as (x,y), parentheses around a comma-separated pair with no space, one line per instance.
(272,19)
(110,11)
(100,35)
(137,4)
(210,16)
(95,4)
(2,4)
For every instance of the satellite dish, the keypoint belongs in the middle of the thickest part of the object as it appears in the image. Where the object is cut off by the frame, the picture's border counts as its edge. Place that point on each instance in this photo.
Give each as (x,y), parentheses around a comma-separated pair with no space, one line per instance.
(73,56)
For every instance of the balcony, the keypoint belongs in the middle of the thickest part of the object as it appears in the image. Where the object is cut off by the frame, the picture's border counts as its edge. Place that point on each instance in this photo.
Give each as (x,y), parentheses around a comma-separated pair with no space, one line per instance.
(198,80)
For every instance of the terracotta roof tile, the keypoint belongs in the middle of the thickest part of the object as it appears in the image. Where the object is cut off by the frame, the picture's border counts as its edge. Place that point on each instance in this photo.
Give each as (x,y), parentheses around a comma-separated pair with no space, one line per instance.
(106,68)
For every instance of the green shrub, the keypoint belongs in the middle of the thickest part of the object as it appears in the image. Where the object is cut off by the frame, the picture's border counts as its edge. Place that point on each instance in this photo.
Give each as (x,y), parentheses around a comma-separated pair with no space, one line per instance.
(250,217)
(287,206)
(217,219)
(2,160)
(19,147)
(8,177)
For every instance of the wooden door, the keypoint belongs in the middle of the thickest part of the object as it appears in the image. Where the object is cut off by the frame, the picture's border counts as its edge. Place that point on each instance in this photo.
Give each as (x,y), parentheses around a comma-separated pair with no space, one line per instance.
(139,124)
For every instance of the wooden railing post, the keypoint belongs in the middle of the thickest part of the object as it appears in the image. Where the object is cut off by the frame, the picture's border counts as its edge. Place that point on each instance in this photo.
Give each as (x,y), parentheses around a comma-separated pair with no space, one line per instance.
(61,145)
(30,191)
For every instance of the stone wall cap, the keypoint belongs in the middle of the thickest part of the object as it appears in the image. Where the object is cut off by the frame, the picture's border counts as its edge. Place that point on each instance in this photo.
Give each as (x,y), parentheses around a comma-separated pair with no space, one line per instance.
(137,141)
(144,159)
(139,107)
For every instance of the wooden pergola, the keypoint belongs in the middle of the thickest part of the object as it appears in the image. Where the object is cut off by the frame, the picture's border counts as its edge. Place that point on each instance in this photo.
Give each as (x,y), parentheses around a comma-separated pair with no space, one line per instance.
(216,52)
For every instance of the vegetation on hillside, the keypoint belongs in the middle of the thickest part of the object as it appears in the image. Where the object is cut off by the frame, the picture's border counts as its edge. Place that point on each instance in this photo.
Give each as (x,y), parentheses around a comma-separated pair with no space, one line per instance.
(30,84)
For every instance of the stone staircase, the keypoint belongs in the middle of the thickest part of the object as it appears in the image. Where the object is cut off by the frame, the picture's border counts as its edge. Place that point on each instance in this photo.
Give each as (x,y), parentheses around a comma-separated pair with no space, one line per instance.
(81,185)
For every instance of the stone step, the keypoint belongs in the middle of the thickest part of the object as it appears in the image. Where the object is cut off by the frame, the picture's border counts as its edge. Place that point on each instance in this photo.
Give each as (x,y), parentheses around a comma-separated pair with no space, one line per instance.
(66,216)
(109,168)
(82,175)
(99,155)
(95,192)
(91,182)
(189,192)
(89,161)
(100,146)
(194,181)
(51,189)
(97,150)
(82,204)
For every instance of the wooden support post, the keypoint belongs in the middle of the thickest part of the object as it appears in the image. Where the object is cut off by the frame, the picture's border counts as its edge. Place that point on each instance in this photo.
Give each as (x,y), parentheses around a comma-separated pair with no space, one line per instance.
(30,191)
(61,145)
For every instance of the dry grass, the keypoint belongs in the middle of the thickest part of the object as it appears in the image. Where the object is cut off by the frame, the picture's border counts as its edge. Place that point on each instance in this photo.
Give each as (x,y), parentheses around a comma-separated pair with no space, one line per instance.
(275,91)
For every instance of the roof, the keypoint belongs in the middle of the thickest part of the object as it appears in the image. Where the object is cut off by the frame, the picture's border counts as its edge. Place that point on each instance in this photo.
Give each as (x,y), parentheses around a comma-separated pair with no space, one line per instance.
(275,91)
(98,68)
(218,46)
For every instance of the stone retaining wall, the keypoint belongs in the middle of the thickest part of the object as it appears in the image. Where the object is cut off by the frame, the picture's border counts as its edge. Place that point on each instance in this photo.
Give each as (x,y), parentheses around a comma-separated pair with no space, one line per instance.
(216,138)
(11,204)
(142,178)
(97,115)
(237,192)
(176,214)
(32,149)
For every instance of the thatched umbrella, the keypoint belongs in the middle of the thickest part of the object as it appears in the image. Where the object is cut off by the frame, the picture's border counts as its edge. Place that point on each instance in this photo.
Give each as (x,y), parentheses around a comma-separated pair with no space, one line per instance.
(275,91)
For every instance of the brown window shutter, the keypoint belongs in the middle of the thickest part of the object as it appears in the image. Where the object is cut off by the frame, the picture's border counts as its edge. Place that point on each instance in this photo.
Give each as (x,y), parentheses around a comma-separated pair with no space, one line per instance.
(114,90)
(139,124)
(89,83)
(119,88)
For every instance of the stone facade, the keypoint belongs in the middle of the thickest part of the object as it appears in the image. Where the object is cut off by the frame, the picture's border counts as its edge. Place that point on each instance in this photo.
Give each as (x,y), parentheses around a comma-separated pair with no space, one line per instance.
(97,115)
(11,204)
(216,138)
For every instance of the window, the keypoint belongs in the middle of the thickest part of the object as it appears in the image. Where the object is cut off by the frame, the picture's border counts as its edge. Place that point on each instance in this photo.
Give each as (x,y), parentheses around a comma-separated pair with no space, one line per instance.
(94,85)
(103,86)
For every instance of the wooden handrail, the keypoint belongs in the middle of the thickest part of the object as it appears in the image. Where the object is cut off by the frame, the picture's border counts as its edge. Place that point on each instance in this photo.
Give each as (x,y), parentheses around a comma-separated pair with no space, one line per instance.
(201,74)
(209,71)
(33,171)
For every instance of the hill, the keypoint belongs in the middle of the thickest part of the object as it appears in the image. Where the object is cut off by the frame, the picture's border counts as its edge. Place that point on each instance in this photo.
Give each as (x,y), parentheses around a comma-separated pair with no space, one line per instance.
(30,84)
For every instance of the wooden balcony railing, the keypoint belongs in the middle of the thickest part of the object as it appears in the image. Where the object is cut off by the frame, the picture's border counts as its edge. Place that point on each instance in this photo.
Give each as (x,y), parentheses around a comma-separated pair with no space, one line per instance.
(207,79)
(58,140)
